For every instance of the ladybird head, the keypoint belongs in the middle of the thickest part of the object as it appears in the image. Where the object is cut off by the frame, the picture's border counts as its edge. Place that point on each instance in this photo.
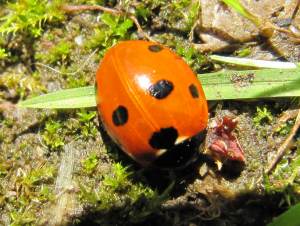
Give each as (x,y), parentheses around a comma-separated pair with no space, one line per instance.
(180,155)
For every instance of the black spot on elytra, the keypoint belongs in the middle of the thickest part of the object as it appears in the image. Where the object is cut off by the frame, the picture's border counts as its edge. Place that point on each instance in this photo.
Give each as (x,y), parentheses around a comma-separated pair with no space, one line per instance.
(120,116)
(155,48)
(161,89)
(194,91)
(164,138)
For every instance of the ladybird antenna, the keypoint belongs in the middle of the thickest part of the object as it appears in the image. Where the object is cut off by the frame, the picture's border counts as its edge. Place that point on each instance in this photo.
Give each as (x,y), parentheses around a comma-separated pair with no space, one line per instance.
(69,73)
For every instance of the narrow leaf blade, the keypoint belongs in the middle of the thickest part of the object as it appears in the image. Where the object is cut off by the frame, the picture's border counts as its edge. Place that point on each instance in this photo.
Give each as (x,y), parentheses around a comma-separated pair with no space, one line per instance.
(290,217)
(223,85)
(254,63)
(236,5)
(226,85)
(69,98)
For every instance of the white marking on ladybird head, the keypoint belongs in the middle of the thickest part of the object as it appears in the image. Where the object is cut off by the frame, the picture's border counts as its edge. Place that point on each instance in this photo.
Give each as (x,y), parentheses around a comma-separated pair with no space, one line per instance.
(160,152)
(181,139)
(219,164)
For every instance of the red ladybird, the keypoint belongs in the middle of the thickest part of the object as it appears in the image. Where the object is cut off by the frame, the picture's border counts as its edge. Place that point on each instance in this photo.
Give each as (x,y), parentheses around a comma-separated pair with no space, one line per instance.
(149,99)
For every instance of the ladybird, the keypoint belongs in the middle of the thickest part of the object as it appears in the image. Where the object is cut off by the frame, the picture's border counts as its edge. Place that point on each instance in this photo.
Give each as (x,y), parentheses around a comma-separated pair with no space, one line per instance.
(148,99)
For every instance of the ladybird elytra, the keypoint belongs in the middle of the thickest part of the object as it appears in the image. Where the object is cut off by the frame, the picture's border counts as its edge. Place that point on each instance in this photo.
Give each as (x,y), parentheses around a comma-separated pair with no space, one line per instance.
(148,99)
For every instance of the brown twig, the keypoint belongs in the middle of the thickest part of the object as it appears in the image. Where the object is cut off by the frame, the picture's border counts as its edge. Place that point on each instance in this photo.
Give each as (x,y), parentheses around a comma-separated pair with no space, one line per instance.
(287,31)
(295,36)
(78,8)
(196,23)
(287,115)
(284,146)
(296,10)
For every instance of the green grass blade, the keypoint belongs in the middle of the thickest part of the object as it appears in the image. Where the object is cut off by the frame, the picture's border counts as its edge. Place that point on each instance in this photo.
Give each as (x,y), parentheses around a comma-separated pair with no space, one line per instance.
(68,98)
(236,5)
(251,84)
(224,85)
(290,217)
(254,63)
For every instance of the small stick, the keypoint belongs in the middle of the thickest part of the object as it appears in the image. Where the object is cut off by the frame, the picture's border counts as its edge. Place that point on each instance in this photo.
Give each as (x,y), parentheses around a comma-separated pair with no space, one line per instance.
(69,73)
(287,115)
(296,10)
(287,31)
(283,147)
(191,34)
(76,8)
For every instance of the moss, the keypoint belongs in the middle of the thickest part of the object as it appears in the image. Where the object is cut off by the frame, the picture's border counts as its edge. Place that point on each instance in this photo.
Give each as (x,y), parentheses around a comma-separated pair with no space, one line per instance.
(29,16)
(142,12)
(20,84)
(4,168)
(19,218)
(26,182)
(40,175)
(118,181)
(285,183)
(263,115)
(196,60)
(53,135)
(178,15)
(191,56)
(132,201)
(243,52)
(113,29)
(57,54)
(60,52)
(89,164)
(3,54)
(285,128)
(87,127)
(78,80)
